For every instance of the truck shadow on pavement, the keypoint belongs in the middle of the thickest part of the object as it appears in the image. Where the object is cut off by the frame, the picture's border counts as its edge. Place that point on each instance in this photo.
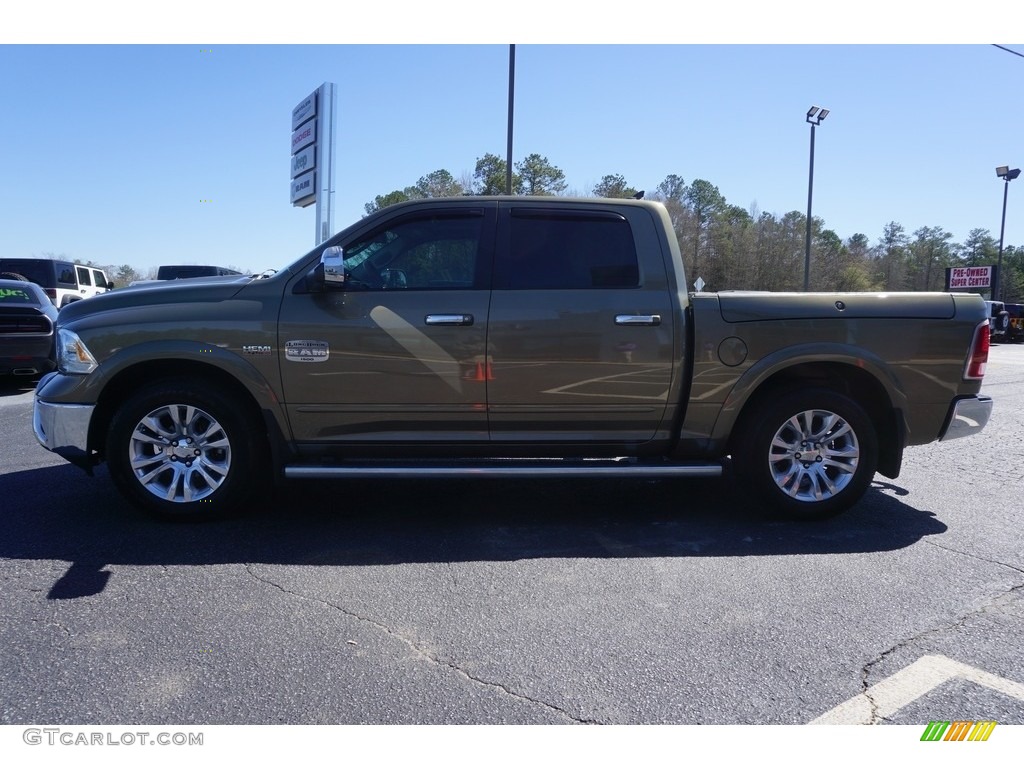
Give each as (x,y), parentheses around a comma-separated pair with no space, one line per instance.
(11,386)
(57,513)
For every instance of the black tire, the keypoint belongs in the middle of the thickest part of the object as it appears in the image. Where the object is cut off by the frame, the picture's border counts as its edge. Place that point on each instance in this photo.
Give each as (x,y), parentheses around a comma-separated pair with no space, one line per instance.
(184,449)
(809,454)
(13,276)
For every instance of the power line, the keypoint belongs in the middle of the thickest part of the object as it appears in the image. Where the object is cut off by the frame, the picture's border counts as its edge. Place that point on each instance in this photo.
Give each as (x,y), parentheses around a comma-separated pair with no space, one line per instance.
(1008,50)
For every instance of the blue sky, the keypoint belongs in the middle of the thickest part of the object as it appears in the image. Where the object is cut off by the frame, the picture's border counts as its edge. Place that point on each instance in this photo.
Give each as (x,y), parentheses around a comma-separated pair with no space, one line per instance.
(111,152)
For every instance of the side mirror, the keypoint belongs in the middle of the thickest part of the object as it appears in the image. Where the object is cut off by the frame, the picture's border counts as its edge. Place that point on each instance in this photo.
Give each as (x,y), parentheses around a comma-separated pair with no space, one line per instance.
(333,262)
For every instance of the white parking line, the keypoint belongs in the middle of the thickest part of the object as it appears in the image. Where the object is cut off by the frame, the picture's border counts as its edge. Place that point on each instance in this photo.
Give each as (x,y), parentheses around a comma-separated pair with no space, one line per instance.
(887,697)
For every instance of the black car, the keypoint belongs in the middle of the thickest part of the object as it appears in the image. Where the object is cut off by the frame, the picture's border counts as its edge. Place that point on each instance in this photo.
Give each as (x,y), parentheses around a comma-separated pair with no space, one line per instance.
(27,320)
(177,272)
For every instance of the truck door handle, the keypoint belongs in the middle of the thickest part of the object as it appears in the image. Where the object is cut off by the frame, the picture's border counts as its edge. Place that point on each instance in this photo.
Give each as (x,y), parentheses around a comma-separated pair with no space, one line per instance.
(638,319)
(449,319)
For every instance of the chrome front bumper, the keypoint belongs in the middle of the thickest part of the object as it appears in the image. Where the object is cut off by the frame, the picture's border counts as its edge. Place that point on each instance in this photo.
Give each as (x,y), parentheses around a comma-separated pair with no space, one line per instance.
(64,429)
(967,416)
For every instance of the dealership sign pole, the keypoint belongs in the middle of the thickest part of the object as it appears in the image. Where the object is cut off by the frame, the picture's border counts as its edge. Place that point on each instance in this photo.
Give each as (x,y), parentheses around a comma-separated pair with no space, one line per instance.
(312,166)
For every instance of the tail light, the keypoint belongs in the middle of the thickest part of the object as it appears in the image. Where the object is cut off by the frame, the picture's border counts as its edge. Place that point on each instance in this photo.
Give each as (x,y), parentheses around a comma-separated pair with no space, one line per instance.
(977,358)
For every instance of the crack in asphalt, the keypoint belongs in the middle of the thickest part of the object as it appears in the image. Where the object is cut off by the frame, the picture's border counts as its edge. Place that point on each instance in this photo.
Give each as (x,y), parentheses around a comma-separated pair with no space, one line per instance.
(994,604)
(1016,568)
(420,652)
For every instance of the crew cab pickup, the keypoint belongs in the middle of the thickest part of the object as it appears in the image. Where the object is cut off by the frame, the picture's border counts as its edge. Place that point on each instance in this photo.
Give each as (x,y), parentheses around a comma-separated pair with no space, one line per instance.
(503,337)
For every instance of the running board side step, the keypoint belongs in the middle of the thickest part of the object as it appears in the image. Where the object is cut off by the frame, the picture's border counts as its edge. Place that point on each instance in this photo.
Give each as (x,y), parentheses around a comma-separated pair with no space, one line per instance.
(505,468)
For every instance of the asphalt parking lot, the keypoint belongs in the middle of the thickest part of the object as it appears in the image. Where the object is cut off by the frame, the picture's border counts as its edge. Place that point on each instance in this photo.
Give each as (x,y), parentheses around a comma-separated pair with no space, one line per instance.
(548,601)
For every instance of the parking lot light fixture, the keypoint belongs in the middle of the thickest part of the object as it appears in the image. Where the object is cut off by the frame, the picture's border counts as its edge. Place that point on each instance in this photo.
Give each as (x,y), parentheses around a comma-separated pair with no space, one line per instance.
(1007,174)
(814,116)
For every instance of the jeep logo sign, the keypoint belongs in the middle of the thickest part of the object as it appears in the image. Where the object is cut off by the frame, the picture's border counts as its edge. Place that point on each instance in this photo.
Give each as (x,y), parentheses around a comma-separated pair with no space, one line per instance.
(303,161)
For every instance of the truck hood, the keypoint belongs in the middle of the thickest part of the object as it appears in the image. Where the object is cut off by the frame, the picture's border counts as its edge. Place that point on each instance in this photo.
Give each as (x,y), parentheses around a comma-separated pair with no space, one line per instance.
(752,306)
(196,289)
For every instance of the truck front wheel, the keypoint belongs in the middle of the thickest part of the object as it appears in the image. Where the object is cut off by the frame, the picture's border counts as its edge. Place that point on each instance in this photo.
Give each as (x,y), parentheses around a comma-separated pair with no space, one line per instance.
(810,454)
(182,449)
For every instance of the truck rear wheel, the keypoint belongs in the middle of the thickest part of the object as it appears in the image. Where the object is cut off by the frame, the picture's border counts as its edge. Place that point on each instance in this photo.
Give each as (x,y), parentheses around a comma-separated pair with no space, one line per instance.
(184,450)
(809,454)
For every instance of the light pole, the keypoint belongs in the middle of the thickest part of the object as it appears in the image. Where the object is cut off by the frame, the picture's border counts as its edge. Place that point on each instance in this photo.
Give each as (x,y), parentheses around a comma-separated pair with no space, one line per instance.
(511,104)
(814,116)
(1007,175)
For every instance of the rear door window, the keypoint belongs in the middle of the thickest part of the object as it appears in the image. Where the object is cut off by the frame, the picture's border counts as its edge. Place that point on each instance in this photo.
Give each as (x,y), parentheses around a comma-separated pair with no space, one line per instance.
(83,276)
(559,250)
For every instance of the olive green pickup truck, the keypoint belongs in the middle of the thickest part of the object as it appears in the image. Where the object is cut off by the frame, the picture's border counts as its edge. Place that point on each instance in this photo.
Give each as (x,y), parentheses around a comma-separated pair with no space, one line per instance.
(505,337)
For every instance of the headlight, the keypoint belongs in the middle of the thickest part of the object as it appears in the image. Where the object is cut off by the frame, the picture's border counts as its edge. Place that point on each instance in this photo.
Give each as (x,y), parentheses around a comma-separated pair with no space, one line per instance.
(72,354)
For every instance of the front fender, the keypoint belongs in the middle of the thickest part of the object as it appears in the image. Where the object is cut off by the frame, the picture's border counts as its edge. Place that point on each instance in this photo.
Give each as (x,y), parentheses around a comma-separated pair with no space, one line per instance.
(67,388)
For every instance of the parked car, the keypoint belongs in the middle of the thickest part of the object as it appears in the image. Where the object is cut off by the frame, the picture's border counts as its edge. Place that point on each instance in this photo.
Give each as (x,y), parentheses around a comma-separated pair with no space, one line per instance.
(1015,329)
(998,319)
(27,319)
(178,272)
(63,281)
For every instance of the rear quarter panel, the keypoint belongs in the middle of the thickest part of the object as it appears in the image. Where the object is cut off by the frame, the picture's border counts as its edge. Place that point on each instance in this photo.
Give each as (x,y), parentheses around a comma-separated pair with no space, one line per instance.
(914,345)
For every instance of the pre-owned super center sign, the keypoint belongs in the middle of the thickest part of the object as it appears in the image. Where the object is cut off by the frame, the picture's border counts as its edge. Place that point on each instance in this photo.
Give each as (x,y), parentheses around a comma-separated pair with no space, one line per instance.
(969,277)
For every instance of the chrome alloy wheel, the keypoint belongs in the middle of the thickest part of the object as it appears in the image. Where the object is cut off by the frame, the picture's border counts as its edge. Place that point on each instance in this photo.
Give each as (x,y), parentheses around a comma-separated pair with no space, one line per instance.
(179,453)
(814,455)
